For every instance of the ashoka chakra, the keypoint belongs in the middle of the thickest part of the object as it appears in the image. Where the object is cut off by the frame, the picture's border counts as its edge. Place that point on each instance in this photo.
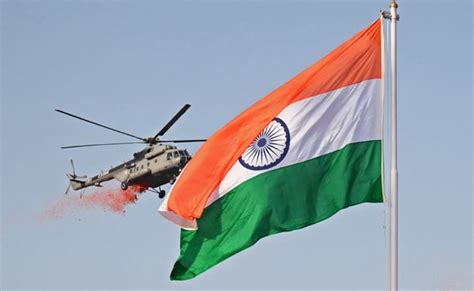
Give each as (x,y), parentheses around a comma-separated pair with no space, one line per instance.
(269,148)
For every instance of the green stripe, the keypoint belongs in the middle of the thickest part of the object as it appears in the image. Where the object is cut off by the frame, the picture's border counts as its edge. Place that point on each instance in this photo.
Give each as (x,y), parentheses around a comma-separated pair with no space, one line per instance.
(281,200)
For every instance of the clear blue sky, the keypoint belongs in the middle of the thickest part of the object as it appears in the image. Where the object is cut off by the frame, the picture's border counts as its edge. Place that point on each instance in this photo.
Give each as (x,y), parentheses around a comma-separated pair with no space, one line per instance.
(133,64)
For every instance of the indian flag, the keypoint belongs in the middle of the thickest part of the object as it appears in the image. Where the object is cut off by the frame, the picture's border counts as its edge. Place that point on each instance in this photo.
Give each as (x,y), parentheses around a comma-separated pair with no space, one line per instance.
(296,157)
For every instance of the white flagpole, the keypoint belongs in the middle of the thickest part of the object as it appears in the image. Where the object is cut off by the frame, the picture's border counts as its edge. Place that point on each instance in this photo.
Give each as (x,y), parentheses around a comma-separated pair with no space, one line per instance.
(394,164)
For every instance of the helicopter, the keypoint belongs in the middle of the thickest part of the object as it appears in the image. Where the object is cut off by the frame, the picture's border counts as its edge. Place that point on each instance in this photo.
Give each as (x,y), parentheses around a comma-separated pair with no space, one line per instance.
(159,163)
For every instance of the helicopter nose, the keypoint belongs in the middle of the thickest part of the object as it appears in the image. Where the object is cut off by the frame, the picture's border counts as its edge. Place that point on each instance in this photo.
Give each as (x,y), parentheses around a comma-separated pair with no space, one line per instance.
(183,161)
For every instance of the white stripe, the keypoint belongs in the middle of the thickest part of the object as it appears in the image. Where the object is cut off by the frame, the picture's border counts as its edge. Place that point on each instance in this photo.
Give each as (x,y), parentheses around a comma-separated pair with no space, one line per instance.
(173,217)
(320,125)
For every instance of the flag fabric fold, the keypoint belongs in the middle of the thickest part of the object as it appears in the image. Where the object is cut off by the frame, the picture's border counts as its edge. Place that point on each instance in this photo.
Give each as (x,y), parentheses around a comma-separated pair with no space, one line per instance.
(296,157)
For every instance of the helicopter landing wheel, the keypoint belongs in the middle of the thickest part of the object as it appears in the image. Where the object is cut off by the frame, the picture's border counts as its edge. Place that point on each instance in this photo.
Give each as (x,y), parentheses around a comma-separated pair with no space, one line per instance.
(161,194)
(124,185)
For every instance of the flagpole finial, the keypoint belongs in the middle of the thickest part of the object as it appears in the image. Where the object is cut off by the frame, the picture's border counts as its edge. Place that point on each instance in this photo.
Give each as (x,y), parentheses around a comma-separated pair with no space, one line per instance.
(393,4)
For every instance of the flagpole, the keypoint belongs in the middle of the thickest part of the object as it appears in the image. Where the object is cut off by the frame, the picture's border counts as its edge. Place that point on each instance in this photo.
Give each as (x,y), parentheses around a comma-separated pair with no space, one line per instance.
(394,164)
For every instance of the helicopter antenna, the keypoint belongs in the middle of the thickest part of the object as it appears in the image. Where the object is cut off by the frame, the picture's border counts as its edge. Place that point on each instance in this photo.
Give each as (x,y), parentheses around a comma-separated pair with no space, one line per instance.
(98,124)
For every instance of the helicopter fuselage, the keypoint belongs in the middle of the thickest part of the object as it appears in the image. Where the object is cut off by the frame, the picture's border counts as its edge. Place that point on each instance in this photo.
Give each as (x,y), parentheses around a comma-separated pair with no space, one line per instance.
(158,164)
(152,167)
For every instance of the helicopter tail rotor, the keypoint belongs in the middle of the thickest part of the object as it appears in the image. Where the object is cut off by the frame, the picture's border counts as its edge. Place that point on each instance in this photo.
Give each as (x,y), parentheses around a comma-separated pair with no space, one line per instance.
(74,181)
(73,175)
(73,168)
(67,189)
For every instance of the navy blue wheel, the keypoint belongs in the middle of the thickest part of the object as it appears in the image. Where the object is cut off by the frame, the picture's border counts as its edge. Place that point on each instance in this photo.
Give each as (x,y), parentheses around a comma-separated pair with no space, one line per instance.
(269,148)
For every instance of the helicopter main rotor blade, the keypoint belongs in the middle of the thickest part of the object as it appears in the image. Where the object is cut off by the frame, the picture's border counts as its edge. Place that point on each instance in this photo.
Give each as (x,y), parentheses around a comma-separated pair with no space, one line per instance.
(172,121)
(100,144)
(98,124)
(184,140)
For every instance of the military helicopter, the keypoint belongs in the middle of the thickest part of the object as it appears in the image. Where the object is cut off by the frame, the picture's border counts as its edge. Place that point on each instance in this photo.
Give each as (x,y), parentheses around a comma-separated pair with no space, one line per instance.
(156,165)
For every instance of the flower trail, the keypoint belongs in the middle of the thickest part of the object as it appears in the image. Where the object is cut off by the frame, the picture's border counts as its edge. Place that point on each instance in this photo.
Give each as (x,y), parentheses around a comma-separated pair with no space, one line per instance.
(114,200)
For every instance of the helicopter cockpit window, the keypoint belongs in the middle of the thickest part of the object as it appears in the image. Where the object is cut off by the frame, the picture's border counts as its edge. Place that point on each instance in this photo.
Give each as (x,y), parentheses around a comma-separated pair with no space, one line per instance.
(186,153)
(181,153)
(176,154)
(168,156)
